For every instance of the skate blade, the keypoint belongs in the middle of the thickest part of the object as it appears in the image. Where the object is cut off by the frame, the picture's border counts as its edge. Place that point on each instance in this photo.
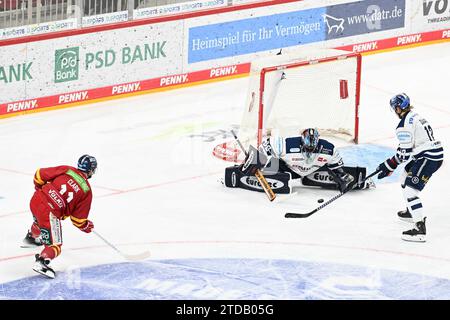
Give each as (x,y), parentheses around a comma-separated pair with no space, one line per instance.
(419,238)
(47,273)
(30,245)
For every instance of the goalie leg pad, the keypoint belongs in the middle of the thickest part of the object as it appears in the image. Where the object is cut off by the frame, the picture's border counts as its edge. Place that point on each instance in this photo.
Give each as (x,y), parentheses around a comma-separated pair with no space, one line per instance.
(322,178)
(235,178)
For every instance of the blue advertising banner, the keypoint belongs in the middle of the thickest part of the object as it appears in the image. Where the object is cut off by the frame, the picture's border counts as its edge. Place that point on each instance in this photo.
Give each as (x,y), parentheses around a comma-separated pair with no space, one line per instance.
(362,17)
(294,28)
(256,34)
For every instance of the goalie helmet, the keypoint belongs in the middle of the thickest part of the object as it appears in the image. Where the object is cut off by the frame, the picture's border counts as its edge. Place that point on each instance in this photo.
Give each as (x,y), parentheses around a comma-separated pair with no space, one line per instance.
(310,139)
(87,164)
(400,100)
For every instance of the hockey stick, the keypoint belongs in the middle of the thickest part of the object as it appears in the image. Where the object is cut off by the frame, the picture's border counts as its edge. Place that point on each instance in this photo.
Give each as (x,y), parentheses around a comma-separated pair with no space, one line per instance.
(129,257)
(258,174)
(305,215)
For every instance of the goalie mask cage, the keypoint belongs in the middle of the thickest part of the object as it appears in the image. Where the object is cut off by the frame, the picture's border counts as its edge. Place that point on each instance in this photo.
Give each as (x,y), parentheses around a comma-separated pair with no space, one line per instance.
(291,92)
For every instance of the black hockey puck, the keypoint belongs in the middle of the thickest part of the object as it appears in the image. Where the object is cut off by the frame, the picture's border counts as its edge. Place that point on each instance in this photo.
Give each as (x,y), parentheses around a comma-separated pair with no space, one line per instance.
(320,200)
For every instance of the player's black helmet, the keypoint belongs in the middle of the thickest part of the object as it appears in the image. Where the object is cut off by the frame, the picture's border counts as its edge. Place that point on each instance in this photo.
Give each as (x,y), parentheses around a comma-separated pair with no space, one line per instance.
(310,139)
(87,164)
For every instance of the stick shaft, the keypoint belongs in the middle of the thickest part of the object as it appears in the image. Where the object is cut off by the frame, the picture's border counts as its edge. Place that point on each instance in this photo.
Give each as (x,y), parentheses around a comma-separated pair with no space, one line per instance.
(130,257)
(323,205)
(107,242)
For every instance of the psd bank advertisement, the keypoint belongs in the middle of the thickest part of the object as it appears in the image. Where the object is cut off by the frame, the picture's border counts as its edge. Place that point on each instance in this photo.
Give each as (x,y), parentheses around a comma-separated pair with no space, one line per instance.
(251,35)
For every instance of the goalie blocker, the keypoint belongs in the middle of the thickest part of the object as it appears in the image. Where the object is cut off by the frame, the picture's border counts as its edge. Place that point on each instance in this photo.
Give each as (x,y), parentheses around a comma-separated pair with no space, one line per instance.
(282,182)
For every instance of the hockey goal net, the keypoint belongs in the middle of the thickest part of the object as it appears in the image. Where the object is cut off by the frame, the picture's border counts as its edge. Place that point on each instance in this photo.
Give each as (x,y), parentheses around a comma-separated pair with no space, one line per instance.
(290,92)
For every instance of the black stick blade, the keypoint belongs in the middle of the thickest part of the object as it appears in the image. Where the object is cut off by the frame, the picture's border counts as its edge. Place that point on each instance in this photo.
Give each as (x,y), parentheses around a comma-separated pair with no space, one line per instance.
(296,215)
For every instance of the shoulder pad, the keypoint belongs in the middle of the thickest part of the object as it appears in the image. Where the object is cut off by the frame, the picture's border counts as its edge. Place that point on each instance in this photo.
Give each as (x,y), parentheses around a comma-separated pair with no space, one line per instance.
(293,144)
(325,147)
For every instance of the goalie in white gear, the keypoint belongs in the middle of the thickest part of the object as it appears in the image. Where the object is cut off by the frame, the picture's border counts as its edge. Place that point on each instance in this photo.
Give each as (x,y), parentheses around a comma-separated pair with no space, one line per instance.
(424,156)
(307,154)
(304,160)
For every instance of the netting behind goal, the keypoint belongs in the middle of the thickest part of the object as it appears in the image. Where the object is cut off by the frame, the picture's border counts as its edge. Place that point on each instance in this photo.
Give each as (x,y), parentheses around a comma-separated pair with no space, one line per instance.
(288,93)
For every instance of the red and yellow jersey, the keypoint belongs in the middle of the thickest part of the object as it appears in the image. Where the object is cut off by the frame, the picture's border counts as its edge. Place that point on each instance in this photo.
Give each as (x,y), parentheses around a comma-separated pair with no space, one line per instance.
(68,192)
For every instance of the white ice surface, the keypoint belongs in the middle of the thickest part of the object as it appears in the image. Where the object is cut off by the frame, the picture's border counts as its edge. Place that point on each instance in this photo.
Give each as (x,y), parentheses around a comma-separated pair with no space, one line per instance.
(156,187)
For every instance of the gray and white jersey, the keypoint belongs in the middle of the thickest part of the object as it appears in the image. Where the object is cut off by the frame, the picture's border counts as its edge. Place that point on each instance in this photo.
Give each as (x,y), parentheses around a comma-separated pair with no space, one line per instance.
(289,150)
(416,139)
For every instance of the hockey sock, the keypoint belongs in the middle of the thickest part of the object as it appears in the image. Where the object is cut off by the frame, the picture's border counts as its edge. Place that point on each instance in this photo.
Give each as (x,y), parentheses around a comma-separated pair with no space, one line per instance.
(51,252)
(413,203)
(35,230)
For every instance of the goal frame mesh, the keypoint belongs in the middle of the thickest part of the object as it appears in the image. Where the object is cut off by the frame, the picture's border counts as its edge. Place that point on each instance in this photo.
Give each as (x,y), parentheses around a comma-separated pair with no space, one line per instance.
(306,63)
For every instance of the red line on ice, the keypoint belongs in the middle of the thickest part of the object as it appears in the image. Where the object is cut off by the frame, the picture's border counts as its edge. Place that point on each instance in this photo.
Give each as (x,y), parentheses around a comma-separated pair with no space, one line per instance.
(307,244)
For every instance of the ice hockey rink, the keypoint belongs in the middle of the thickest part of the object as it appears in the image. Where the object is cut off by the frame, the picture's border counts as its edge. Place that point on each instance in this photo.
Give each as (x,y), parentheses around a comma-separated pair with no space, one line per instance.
(156,189)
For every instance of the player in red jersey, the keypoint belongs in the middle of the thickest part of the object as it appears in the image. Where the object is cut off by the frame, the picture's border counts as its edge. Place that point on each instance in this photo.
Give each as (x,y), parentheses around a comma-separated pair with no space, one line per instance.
(61,192)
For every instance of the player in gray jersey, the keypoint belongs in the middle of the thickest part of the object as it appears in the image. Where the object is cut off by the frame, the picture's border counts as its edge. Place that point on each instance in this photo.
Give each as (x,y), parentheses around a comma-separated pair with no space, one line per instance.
(424,156)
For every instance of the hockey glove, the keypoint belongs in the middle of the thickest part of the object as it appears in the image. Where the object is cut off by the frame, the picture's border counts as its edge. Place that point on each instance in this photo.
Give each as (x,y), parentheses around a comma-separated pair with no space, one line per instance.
(386,168)
(253,162)
(342,179)
(87,226)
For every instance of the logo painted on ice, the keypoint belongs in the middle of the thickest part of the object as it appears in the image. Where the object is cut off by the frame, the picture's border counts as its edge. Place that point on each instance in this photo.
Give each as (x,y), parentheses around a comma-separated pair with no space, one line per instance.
(228,279)
(67,64)
(226,152)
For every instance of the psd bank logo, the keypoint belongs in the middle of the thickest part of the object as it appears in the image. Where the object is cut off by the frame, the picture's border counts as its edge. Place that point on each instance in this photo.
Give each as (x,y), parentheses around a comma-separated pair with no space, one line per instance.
(67,64)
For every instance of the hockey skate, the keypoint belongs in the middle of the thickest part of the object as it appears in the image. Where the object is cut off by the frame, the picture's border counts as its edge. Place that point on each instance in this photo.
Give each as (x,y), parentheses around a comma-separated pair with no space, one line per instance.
(369,184)
(405,215)
(417,234)
(295,183)
(42,266)
(30,242)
